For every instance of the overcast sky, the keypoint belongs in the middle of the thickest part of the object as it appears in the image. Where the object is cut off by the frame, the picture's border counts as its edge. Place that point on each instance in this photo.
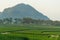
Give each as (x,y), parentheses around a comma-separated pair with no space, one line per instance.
(50,8)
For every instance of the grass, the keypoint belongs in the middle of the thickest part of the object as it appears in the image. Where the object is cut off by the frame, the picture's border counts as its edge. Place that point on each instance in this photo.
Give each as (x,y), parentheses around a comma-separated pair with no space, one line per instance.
(29,32)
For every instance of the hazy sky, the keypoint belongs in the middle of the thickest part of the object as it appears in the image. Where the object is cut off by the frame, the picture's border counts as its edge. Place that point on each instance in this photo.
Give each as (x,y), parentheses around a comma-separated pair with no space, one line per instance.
(51,8)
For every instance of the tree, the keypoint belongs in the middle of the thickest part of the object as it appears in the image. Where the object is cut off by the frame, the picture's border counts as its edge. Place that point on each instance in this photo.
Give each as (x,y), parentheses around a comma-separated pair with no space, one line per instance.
(27,20)
(17,20)
(7,20)
(1,21)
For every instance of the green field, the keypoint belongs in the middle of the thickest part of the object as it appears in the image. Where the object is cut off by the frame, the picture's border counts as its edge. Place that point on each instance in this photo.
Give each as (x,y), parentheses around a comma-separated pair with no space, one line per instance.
(29,32)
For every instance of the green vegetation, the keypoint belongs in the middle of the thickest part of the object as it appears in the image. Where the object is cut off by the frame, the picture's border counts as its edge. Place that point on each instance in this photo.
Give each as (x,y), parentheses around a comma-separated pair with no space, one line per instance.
(29,32)
(29,29)
(15,24)
(29,21)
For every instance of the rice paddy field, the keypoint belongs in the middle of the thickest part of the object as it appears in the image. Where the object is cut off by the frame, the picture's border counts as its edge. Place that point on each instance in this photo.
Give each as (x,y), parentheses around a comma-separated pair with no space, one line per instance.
(29,32)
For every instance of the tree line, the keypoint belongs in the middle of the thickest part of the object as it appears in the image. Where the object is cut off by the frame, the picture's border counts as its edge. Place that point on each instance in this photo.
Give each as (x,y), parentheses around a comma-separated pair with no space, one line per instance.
(28,21)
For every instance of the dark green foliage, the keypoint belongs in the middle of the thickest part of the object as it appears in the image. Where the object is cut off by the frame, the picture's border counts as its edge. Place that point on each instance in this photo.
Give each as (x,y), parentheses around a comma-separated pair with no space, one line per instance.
(29,21)
(8,37)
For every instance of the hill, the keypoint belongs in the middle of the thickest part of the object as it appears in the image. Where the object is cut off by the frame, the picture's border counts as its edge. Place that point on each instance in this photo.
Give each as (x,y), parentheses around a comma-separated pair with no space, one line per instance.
(22,11)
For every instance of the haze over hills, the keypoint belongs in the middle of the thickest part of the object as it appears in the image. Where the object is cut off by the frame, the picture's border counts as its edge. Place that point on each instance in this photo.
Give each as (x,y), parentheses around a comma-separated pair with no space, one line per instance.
(22,11)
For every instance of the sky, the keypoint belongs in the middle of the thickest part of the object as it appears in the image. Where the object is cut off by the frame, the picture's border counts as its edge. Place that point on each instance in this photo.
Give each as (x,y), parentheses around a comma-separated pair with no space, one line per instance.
(50,8)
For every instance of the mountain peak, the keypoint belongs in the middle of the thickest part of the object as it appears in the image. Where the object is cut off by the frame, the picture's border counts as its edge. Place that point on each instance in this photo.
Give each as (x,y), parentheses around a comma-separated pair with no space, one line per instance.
(21,11)
(22,4)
